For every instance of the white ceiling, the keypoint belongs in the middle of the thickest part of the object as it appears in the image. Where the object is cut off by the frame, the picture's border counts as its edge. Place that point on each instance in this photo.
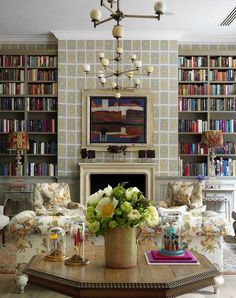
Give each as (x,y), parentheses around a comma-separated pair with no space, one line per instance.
(194,20)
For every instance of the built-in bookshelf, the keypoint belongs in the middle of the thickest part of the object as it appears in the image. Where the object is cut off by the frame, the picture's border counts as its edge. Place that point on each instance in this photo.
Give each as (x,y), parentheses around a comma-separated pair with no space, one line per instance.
(28,102)
(207,101)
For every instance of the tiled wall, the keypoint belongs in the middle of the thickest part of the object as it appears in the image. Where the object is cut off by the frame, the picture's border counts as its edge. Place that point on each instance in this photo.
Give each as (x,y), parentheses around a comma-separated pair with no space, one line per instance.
(161,54)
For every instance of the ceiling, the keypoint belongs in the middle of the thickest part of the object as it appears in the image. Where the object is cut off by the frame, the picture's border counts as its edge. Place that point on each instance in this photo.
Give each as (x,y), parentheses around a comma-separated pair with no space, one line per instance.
(194,20)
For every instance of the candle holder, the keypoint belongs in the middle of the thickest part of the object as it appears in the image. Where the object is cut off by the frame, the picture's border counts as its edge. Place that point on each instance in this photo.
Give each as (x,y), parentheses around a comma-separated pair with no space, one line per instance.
(78,258)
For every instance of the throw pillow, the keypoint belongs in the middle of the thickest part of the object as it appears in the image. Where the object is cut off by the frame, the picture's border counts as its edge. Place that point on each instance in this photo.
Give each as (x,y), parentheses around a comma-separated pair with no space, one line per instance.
(196,197)
(182,194)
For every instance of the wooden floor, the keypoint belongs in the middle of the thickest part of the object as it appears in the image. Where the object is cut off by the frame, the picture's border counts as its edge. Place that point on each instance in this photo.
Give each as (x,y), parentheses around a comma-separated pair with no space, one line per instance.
(7,290)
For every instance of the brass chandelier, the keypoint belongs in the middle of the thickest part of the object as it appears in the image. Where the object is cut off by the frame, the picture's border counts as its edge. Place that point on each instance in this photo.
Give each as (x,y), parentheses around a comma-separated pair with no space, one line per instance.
(116,73)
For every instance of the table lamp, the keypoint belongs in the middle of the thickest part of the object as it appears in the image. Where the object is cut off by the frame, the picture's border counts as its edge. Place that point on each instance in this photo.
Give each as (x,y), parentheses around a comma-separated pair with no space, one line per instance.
(212,139)
(18,141)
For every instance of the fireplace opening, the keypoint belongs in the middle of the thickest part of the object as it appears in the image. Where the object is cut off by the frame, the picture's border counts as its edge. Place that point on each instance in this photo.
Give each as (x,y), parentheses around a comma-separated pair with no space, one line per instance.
(100,181)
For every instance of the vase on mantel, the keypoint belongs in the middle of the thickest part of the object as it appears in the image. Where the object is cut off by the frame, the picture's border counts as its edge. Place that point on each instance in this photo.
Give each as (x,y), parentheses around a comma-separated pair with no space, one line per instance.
(121,248)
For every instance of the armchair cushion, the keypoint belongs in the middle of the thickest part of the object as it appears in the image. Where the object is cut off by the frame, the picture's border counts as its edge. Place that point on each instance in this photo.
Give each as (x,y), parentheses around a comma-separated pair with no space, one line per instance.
(180,193)
(51,198)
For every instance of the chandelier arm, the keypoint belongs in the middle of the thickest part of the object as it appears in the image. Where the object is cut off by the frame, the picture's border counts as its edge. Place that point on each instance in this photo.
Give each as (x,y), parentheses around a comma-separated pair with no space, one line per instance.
(109,75)
(143,16)
(104,21)
(126,71)
(108,8)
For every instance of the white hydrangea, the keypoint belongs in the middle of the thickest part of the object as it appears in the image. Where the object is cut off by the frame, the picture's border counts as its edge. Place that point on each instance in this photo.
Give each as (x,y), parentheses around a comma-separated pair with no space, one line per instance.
(152,218)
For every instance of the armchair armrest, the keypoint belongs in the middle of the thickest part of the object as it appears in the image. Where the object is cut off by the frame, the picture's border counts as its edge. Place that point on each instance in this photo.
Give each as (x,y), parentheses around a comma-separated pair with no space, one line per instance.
(1,209)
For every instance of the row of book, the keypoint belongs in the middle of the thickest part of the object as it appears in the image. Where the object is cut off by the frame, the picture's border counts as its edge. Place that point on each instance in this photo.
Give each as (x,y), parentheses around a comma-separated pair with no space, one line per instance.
(42,61)
(198,148)
(12,88)
(223,61)
(9,74)
(192,125)
(12,60)
(199,75)
(193,89)
(42,147)
(223,89)
(193,61)
(7,125)
(192,148)
(227,126)
(41,125)
(219,75)
(225,167)
(41,169)
(227,148)
(41,104)
(42,89)
(33,169)
(223,104)
(192,104)
(32,104)
(12,103)
(42,75)
(192,168)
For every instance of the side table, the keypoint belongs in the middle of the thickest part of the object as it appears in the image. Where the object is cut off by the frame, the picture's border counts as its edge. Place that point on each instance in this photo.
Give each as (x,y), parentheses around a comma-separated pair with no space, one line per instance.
(17,196)
(219,195)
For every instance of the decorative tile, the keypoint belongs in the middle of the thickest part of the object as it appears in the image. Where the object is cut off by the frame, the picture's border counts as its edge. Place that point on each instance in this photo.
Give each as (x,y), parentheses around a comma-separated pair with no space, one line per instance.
(71,45)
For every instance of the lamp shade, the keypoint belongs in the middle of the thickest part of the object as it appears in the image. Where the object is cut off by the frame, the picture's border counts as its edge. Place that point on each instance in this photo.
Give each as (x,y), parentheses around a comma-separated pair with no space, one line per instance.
(212,138)
(18,140)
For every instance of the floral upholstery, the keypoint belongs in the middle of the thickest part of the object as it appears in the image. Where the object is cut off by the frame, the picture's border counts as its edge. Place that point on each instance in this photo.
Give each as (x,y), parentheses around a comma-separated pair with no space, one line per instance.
(202,230)
(52,208)
(180,193)
(52,198)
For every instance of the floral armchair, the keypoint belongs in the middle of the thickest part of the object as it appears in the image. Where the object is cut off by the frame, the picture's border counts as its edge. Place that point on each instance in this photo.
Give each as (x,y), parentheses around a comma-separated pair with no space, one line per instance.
(202,230)
(52,207)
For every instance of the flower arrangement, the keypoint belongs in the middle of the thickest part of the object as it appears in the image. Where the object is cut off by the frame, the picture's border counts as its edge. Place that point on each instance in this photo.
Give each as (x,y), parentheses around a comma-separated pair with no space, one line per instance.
(117,149)
(201,178)
(119,207)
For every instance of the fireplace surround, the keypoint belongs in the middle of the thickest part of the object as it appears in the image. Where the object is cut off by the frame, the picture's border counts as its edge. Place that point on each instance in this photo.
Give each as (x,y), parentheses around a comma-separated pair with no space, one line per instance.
(141,173)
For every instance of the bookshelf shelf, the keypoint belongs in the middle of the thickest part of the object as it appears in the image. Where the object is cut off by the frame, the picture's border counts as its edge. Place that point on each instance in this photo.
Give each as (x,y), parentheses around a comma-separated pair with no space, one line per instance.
(207,95)
(28,101)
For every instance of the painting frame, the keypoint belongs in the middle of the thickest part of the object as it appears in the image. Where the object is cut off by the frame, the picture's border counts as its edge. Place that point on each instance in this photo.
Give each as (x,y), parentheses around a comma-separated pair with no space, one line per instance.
(142,98)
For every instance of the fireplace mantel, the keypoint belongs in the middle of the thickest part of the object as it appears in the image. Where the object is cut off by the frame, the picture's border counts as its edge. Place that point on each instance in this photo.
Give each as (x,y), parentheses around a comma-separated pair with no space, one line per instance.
(86,169)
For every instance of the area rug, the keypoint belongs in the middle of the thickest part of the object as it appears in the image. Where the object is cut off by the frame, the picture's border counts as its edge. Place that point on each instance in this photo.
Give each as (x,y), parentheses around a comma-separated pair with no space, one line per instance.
(8,256)
(229,255)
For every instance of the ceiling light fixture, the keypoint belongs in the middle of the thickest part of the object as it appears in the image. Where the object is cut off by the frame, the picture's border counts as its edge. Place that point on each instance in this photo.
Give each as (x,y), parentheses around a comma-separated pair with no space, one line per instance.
(105,73)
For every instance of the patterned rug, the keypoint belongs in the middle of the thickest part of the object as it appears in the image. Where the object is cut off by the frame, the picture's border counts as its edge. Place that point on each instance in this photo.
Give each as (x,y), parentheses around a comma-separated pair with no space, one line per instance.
(8,256)
(229,255)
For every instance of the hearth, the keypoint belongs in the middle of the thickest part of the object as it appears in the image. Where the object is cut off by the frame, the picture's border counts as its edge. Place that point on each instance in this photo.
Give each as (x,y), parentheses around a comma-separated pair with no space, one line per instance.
(95,176)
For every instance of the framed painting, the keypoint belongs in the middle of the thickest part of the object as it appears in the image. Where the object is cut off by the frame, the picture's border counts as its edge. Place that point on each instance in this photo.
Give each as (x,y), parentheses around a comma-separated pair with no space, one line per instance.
(126,121)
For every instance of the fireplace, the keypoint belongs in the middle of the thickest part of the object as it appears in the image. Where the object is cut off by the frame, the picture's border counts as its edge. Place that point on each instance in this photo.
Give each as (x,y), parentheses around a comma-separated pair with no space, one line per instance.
(95,176)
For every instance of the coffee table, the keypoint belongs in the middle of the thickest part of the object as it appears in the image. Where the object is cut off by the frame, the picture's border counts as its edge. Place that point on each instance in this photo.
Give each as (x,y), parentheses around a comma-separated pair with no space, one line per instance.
(95,280)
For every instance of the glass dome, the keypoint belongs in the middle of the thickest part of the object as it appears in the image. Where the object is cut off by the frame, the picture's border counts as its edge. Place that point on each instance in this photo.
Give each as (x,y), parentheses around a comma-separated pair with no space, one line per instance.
(56,246)
(171,235)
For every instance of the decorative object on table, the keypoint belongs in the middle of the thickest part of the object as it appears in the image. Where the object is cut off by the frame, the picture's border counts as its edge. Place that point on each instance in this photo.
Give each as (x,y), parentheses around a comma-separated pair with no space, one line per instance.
(116,213)
(117,73)
(56,247)
(83,153)
(78,234)
(141,155)
(18,185)
(116,151)
(19,142)
(91,154)
(154,258)
(212,139)
(171,235)
(150,154)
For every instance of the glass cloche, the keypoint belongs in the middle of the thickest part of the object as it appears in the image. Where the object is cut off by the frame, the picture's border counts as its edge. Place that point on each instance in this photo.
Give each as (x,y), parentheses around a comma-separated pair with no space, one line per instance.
(56,247)
(171,235)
